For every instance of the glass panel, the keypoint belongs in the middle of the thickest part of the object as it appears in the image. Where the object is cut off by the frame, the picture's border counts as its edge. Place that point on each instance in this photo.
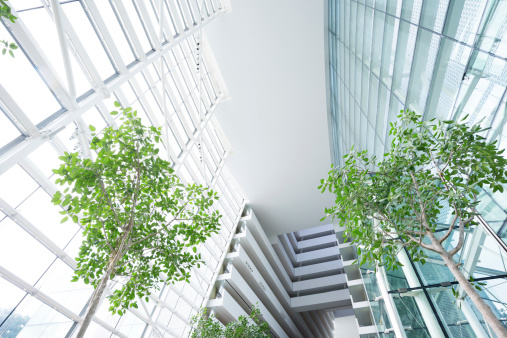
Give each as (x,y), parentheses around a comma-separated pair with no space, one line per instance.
(138,27)
(433,16)
(11,190)
(450,67)
(45,216)
(56,284)
(394,110)
(130,325)
(367,41)
(26,264)
(116,31)
(411,10)
(455,322)
(7,130)
(177,325)
(404,55)
(422,70)
(371,137)
(364,128)
(86,34)
(381,4)
(25,4)
(379,148)
(10,296)
(492,37)
(389,49)
(42,103)
(352,77)
(365,85)
(47,38)
(45,158)
(373,107)
(357,122)
(346,31)
(463,19)
(407,307)
(359,31)
(383,108)
(357,76)
(378,32)
(394,7)
(41,320)
(481,92)
(93,117)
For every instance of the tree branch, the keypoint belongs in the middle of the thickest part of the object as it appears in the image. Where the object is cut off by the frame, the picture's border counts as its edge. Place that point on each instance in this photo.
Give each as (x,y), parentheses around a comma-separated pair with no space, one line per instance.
(462,224)
(424,246)
(164,227)
(105,235)
(451,225)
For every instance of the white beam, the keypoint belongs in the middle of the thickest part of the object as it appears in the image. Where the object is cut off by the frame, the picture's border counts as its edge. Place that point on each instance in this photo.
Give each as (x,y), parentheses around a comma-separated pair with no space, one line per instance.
(23,149)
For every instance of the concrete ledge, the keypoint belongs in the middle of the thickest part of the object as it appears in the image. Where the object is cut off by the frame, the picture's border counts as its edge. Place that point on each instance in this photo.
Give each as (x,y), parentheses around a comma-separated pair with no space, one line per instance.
(321,301)
(317,283)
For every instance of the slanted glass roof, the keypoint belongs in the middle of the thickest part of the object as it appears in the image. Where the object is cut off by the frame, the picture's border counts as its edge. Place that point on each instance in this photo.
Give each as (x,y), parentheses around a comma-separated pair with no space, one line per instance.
(149,55)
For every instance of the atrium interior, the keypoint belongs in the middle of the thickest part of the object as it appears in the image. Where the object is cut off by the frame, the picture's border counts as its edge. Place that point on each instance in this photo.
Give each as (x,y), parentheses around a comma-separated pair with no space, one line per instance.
(256,100)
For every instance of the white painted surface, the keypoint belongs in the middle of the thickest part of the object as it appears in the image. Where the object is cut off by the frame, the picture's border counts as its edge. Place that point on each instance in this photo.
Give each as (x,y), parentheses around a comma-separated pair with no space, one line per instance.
(346,327)
(317,241)
(272,58)
(317,268)
(318,254)
(317,283)
(321,300)
(249,296)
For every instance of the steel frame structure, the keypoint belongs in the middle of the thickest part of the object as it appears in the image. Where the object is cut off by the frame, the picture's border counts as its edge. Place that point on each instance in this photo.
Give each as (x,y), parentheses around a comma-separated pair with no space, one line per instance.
(176,74)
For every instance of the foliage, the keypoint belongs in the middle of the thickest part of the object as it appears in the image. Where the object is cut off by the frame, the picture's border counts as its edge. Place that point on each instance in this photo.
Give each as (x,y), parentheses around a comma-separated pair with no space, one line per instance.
(5,12)
(8,47)
(430,165)
(245,327)
(140,222)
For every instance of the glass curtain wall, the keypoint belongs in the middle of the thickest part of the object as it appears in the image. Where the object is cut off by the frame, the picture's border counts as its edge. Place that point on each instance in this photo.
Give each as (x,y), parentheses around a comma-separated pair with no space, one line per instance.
(444,59)
(117,51)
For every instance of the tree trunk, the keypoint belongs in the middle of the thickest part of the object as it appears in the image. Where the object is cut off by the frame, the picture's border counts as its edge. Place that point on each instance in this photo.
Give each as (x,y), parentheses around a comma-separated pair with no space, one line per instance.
(97,294)
(94,302)
(470,290)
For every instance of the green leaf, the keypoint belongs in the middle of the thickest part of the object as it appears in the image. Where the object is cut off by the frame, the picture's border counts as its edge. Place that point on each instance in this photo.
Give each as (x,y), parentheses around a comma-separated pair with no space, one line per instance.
(65,219)
(116,104)
(99,195)
(92,128)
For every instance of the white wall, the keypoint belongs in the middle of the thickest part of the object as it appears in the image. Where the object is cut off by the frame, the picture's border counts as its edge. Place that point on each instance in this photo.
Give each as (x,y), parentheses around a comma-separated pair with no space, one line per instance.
(345,327)
(272,58)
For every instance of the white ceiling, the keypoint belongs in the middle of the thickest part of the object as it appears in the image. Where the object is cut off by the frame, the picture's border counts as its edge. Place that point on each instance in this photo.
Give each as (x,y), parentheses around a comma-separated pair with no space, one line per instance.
(272,57)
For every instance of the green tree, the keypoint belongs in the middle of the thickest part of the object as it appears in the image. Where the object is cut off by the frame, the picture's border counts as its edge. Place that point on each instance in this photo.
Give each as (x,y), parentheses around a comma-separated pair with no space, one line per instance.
(246,327)
(395,206)
(5,12)
(140,223)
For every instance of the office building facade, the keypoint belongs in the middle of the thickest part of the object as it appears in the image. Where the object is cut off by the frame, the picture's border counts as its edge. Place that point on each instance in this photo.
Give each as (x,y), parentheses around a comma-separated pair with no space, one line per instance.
(445,60)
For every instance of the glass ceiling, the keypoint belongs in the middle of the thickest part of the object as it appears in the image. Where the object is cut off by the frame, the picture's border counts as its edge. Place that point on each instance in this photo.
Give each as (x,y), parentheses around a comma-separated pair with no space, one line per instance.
(68,72)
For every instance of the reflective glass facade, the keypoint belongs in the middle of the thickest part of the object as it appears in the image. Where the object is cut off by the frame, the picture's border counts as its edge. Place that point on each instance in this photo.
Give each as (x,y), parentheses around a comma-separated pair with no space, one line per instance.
(149,55)
(443,59)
